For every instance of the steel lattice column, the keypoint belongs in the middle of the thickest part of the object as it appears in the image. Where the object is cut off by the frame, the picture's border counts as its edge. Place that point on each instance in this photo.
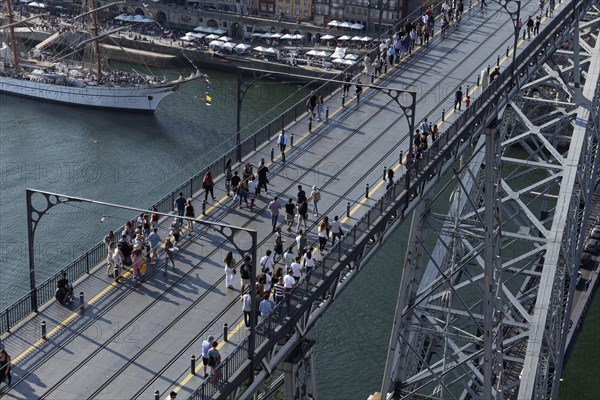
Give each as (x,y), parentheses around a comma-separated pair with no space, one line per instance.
(489,317)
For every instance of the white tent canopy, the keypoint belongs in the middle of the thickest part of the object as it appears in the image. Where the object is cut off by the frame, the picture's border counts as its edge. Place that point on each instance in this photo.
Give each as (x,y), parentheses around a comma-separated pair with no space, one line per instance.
(366,39)
(216,43)
(286,36)
(226,38)
(37,5)
(345,25)
(125,17)
(334,23)
(327,37)
(276,35)
(270,50)
(242,47)
(212,36)
(345,37)
(228,45)
(356,38)
(339,52)
(351,57)
(357,26)
(297,36)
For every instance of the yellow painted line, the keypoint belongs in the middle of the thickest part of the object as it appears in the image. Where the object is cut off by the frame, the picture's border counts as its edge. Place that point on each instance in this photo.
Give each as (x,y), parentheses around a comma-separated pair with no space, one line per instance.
(189,376)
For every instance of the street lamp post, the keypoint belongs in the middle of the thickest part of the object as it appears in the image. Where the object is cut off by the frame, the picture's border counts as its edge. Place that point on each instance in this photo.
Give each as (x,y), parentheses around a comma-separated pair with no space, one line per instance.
(242,89)
(35,214)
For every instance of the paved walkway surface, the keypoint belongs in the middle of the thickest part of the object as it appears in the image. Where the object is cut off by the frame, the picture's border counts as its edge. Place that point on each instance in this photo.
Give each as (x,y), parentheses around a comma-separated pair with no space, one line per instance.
(135,338)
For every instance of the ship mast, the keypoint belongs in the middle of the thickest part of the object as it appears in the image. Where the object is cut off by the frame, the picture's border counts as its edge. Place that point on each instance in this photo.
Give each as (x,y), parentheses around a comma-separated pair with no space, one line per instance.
(13,37)
(96,43)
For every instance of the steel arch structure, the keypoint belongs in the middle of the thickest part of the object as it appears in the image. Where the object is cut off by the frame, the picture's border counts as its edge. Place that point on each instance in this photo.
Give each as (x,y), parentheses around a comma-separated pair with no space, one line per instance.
(491,295)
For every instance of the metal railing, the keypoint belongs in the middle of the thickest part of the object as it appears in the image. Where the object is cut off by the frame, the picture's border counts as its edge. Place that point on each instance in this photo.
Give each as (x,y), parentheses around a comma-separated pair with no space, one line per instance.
(281,321)
(23,307)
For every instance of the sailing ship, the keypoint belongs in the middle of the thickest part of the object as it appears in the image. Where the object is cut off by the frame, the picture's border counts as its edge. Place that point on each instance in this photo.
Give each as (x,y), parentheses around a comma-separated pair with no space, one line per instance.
(77,84)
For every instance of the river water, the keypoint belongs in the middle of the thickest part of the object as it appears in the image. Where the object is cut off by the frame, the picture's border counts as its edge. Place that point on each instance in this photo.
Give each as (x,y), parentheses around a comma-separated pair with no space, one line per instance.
(134,160)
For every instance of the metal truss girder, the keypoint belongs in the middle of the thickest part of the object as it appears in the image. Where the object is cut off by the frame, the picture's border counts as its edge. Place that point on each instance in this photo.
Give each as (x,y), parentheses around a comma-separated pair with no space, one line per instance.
(548,181)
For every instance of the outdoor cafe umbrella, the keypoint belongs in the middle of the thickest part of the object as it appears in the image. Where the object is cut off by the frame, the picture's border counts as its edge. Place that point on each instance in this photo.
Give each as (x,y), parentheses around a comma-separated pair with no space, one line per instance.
(297,36)
(356,38)
(351,57)
(312,53)
(345,25)
(212,36)
(242,47)
(228,45)
(327,37)
(287,36)
(275,35)
(216,43)
(348,62)
(345,37)
(334,23)
(37,5)
(225,39)
(337,61)
(357,26)
(366,39)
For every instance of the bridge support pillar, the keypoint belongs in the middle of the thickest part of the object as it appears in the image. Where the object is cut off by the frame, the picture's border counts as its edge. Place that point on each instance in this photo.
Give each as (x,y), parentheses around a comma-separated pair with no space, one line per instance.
(299,368)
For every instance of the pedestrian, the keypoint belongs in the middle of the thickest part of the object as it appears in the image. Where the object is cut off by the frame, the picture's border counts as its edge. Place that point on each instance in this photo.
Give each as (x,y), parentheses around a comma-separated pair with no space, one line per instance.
(346,86)
(169,249)
(297,269)
(323,237)
(316,196)
(245,274)
(458,96)
(266,262)
(302,214)
(536,27)
(262,172)
(336,230)
(390,179)
(243,192)
(206,346)
(154,217)
(311,104)
(247,308)
(278,249)
(172,395)
(110,260)
(425,125)
(137,259)
(278,290)
(229,269)
(109,238)
(288,284)
(529,25)
(274,207)
(300,242)
(308,260)
(467,101)
(288,258)
(154,240)
(189,212)
(391,53)
(118,258)
(180,205)
(551,6)
(290,212)
(282,141)
(435,133)
(358,90)
(247,172)
(228,176)
(176,233)
(301,196)
(265,307)
(208,185)
(252,189)
(5,367)
(214,360)
(235,182)
(320,102)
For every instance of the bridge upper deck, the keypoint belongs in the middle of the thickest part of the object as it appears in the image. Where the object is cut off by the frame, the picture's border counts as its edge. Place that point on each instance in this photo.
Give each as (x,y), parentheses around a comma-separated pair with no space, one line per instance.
(136,337)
